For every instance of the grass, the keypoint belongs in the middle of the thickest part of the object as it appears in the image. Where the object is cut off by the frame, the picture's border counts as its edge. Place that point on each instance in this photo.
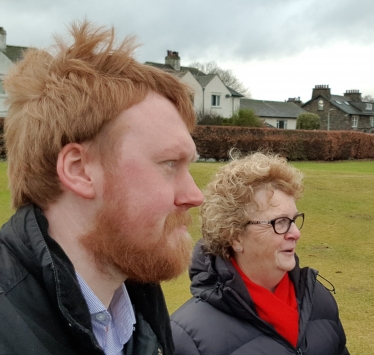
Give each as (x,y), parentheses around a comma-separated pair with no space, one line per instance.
(337,238)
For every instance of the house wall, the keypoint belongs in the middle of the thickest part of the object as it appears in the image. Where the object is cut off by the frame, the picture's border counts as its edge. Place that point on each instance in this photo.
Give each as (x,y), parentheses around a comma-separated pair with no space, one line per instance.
(216,87)
(338,119)
(291,122)
(5,64)
(190,80)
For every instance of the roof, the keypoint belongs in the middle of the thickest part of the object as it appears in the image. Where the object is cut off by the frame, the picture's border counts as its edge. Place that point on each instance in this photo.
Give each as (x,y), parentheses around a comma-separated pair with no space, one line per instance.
(234,93)
(201,77)
(276,109)
(348,106)
(205,80)
(14,53)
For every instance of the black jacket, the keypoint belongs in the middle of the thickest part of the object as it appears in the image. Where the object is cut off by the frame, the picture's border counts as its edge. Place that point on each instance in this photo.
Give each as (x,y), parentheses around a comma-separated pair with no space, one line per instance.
(42,309)
(222,320)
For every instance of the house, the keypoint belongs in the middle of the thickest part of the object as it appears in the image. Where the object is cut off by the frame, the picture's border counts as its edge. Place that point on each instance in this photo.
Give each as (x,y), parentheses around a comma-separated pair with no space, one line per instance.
(211,95)
(276,114)
(341,112)
(8,55)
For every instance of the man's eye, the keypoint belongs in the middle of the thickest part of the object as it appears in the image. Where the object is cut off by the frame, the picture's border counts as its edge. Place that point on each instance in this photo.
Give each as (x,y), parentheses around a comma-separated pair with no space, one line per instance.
(170,163)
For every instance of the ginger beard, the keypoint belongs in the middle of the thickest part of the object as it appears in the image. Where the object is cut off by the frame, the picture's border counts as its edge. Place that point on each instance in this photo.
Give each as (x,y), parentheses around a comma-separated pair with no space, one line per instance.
(150,255)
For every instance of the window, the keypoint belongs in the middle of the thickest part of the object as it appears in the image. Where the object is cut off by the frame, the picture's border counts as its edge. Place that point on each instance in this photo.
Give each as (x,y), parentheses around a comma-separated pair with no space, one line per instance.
(369,106)
(371,121)
(216,100)
(338,102)
(354,121)
(320,105)
(282,124)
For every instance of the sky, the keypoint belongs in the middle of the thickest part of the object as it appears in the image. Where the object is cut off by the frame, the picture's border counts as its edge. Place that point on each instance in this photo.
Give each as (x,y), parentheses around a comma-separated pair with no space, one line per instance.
(279,49)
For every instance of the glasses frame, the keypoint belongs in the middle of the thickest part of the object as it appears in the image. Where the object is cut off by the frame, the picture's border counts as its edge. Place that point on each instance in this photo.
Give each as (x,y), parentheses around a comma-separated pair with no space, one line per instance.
(272,222)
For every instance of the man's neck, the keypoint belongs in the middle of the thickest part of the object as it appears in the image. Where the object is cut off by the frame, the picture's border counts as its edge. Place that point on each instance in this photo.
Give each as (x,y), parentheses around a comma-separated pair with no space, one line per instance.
(67,222)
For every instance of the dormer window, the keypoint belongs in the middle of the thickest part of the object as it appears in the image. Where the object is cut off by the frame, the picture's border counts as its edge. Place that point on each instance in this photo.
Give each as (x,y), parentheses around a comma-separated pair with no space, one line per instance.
(369,106)
(320,105)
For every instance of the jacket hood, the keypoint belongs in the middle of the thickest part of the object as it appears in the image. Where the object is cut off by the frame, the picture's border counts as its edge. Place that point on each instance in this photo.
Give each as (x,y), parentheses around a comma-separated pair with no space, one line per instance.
(215,281)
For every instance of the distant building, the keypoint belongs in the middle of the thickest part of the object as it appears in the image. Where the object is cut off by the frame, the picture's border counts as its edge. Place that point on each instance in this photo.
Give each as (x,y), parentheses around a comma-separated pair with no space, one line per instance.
(8,55)
(276,114)
(211,95)
(341,112)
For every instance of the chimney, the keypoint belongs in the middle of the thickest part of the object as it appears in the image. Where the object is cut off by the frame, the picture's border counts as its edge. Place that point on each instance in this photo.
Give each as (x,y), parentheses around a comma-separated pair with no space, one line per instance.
(321,90)
(353,95)
(173,59)
(295,100)
(2,39)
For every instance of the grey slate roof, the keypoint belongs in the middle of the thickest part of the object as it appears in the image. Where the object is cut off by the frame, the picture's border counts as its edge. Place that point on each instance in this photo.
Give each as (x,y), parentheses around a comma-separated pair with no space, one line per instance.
(276,109)
(234,93)
(348,106)
(14,53)
(205,80)
(201,77)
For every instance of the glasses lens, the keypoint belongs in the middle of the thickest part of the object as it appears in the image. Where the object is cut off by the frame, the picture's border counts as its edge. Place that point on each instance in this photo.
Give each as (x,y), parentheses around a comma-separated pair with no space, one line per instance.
(299,221)
(281,225)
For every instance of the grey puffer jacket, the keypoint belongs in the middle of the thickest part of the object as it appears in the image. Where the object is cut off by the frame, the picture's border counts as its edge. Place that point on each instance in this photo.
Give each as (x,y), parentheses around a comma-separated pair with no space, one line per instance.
(221,318)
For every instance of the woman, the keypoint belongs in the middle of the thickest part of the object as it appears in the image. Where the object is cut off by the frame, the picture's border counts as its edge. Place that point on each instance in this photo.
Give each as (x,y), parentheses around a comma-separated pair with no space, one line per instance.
(250,295)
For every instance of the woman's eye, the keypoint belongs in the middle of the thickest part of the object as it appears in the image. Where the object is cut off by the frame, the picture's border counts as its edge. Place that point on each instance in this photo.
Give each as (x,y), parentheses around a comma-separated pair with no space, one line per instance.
(281,221)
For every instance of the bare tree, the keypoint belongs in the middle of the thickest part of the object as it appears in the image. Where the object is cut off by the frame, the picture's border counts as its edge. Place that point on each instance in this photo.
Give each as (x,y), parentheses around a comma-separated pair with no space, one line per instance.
(367,98)
(226,75)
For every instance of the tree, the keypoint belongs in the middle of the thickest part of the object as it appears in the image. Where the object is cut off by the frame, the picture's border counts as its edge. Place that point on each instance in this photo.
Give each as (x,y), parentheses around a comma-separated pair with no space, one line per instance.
(226,75)
(308,121)
(245,117)
(367,98)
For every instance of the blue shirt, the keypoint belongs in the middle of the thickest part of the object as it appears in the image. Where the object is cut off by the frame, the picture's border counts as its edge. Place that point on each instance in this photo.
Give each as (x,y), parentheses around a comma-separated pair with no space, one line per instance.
(112,327)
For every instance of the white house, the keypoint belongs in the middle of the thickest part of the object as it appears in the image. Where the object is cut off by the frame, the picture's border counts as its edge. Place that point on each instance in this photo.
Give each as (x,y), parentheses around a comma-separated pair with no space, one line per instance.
(8,55)
(211,95)
(276,114)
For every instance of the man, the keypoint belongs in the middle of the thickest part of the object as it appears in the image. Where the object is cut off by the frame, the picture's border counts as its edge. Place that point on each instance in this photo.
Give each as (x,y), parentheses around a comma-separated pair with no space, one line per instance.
(98,152)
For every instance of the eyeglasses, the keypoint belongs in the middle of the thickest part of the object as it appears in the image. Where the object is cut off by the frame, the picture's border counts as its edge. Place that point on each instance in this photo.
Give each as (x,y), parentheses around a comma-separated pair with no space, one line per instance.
(282,225)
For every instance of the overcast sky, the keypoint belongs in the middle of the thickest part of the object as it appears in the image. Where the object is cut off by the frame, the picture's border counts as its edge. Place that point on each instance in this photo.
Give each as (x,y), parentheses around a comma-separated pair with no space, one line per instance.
(277,48)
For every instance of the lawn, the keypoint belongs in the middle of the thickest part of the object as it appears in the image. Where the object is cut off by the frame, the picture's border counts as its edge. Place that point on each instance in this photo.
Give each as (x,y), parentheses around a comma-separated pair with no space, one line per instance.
(337,238)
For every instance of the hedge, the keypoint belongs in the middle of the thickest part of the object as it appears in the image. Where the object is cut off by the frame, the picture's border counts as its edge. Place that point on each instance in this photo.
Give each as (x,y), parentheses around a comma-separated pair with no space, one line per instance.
(214,142)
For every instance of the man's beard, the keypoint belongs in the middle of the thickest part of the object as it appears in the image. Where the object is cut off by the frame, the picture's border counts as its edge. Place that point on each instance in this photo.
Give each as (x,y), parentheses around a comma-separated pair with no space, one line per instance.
(150,256)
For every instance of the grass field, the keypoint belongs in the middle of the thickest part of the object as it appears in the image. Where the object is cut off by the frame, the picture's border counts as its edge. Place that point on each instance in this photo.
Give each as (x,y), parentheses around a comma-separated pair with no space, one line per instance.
(337,239)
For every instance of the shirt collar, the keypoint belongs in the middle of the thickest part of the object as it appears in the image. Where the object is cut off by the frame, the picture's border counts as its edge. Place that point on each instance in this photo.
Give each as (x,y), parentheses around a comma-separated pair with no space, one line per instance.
(120,309)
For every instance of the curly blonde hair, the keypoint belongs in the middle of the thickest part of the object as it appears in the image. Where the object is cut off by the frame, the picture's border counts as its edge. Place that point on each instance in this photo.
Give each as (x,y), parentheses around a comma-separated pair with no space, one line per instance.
(232,190)
(68,97)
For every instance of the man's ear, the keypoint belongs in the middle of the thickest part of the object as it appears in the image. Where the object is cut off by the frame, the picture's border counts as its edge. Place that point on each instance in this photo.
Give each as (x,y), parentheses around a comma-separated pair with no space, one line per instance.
(73,170)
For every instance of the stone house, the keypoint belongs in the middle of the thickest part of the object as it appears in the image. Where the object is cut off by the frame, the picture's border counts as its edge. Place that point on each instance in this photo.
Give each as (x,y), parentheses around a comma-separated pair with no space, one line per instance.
(341,112)
(8,55)
(211,95)
(276,114)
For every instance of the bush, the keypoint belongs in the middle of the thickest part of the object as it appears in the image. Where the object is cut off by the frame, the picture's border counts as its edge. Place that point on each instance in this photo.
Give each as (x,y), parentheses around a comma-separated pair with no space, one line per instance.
(308,121)
(209,119)
(245,117)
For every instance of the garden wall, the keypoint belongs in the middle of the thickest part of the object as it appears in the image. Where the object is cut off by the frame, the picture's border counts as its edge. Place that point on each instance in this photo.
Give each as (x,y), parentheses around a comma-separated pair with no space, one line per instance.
(215,142)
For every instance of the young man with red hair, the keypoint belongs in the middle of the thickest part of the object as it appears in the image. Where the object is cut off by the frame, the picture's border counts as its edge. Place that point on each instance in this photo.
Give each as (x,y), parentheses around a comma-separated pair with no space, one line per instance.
(99,149)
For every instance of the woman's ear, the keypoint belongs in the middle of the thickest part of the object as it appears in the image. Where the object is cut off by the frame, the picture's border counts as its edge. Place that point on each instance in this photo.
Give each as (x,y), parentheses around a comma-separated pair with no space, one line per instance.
(74,172)
(237,243)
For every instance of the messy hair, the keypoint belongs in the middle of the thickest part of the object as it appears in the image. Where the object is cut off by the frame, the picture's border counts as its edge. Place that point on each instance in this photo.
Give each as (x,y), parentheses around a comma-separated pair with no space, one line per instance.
(68,96)
(232,191)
